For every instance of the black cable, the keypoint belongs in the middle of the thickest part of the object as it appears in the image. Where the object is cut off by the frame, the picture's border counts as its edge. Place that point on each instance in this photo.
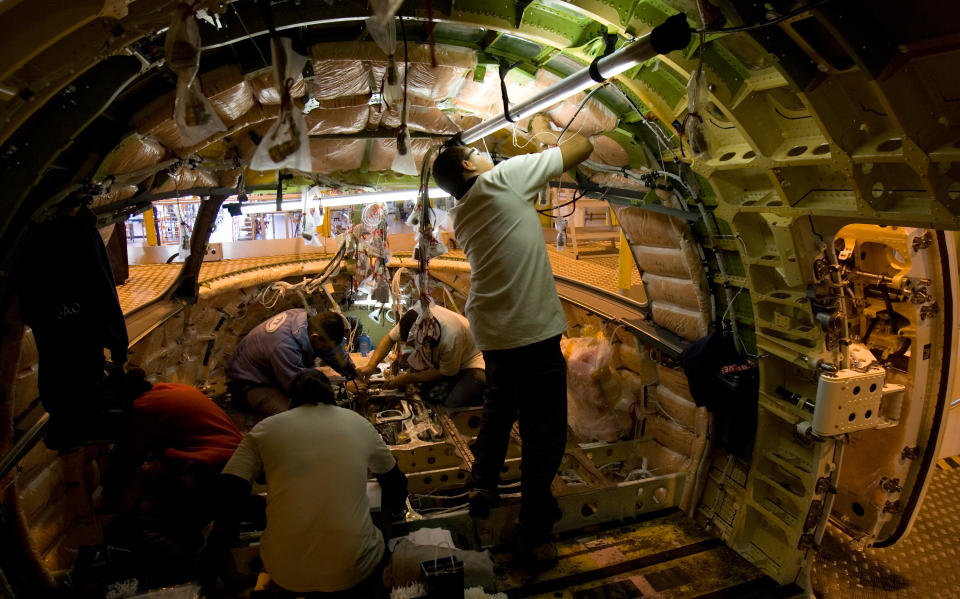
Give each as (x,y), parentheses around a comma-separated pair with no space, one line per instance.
(763,24)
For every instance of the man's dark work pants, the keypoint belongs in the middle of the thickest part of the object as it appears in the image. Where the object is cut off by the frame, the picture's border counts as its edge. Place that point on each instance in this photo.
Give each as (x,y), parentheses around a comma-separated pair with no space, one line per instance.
(529,382)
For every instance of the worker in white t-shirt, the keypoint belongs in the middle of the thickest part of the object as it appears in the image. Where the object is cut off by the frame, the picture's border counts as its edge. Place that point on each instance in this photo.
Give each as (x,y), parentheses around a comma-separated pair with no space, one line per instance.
(456,374)
(319,536)
(517,321)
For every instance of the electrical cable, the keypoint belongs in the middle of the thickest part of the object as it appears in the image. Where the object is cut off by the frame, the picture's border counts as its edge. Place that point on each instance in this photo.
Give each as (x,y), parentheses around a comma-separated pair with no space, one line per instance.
(761,25)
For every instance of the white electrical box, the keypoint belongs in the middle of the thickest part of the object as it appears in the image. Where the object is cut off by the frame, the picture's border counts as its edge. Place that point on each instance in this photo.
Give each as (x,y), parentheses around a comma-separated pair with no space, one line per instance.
(848,400)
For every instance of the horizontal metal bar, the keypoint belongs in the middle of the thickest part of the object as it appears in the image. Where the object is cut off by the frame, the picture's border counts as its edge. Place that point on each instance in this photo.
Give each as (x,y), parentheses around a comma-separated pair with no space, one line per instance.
(624,197)
(379,134)
(23,445)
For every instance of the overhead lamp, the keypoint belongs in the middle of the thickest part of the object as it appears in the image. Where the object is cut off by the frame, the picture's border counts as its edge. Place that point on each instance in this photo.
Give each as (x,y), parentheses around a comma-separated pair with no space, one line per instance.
(381,196)
(672,34)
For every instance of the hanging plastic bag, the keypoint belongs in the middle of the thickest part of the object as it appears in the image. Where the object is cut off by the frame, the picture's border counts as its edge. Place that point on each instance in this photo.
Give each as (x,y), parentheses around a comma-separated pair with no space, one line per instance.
(561,226)
(287,143)
(195,118)
(403,161)
(696,102)
(311,198)
(384,10)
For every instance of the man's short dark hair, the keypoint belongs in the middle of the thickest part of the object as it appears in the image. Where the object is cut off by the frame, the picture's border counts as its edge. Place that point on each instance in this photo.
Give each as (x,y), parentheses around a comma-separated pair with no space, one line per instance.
(310,387)
(135,384)
(448,170)
(406,323)
(327,324)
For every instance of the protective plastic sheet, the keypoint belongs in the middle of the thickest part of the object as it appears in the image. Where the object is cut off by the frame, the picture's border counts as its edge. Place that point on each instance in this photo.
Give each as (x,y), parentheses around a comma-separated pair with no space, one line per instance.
(404,566)
(675,380)
(676,407)
(648,227)
(229,92)
(688,324)
(334,155)
(680,262)
(608,151)
(266,91)
(682,292)
(134,154)
(591,389)
(286,144)
(382,152)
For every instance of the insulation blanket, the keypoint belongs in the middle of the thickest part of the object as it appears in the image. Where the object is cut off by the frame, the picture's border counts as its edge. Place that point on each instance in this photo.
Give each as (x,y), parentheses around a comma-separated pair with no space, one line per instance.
(134,154)
(593,119)
(480,97)
(688,324)
(682,292)
(675,380)
(267,93)
(333,155)
(680,262)
(347,119)
(229,92)
(671,435)
(671,405)
(350,68)
(608,151)
(649,228)
(599,405)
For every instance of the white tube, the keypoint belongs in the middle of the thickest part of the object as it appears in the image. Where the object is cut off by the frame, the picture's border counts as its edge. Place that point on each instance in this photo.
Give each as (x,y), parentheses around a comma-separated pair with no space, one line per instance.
(609,66)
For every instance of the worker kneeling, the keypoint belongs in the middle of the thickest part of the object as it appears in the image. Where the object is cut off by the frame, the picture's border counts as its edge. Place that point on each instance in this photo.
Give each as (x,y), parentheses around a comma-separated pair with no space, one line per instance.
(319,536)
(271,354)
(456,376)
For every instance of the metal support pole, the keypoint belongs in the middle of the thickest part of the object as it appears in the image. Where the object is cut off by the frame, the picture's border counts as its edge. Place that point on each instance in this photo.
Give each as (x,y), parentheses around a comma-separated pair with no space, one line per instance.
(672,34)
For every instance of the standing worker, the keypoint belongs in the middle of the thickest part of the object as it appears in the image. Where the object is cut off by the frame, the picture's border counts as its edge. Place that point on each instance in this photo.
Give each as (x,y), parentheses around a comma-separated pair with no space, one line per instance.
(271,354)
(319,536)
(517,321)
(456,373)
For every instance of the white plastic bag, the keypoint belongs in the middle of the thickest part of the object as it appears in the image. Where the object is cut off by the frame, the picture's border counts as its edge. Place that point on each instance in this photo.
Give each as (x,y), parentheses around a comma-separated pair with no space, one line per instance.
(287,143)
(403,161)
(561,225)
(193,115)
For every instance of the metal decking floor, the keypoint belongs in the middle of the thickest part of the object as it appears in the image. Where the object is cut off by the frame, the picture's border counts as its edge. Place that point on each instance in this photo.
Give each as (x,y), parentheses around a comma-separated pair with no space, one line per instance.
(664,555)
(923,564)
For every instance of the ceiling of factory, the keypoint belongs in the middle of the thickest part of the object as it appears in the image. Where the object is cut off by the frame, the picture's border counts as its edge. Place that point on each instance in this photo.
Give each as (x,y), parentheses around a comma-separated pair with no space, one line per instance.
(847,109)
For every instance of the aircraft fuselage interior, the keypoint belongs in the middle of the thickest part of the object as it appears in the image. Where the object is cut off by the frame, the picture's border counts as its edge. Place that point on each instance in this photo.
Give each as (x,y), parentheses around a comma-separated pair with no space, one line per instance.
(758,262)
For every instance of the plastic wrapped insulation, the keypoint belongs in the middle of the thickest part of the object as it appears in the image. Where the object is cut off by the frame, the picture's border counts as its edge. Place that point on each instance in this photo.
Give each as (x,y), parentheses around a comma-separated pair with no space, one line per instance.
(683,262)
(287,143)
(480,97)
(594,118)
(608,151)
(618,180)
(673,406)
(134,154)
(346,114)
(266,92)
(229,92)
(688,324)
(650,228)
(195,118)
(334,155)
(360,67)
(683,292)
(675,380)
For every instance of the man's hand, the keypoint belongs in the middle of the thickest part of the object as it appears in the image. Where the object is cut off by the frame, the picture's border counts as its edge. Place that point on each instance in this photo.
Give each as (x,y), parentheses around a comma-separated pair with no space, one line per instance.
(367,371)
(396,382)
(540,127)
